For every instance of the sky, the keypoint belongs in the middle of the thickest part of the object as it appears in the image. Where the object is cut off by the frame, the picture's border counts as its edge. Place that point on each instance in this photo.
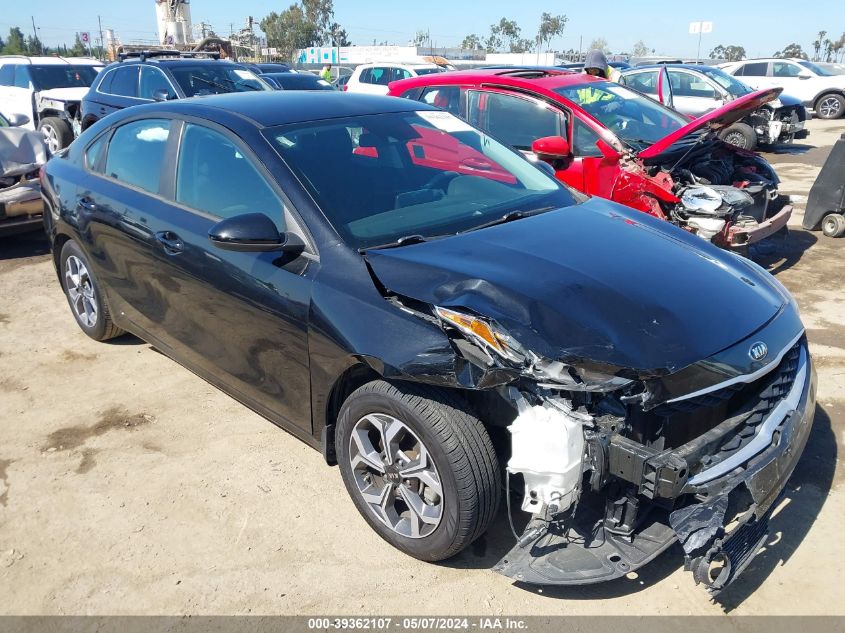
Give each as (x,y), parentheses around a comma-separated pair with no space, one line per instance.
(761,26)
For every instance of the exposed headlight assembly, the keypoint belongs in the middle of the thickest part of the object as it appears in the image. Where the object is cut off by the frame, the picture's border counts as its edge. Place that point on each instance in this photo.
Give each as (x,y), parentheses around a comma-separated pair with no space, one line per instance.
(548,373)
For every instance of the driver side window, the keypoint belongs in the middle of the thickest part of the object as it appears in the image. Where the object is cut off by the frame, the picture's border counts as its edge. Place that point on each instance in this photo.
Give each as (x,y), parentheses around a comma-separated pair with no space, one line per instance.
(213,176)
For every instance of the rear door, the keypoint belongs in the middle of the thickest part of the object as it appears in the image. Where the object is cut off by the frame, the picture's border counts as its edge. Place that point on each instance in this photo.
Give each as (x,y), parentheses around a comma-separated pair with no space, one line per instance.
(755,74)
(118,90)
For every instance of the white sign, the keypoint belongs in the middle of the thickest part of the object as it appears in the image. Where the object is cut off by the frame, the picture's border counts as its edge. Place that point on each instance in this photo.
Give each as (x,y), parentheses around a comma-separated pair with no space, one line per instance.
(85,37)
(273,51)
(700,27)
(265,51)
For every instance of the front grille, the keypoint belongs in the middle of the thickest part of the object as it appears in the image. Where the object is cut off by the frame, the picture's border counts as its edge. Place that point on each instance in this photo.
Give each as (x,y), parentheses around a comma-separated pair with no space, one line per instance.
(682,421)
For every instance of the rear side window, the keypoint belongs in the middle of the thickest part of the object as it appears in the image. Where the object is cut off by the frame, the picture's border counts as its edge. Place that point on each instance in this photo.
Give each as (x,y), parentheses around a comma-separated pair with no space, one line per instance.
(7,75)
(514,120)
(125,82)
(758,69)
(208,165)
(136,153)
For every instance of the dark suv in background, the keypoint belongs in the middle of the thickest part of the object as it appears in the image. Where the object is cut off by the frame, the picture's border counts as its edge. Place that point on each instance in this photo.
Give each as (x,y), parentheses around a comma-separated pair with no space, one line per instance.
(161,76)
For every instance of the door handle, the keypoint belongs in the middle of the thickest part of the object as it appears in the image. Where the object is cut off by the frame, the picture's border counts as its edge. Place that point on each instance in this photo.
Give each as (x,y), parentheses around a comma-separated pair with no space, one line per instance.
(87,203)
(171,242)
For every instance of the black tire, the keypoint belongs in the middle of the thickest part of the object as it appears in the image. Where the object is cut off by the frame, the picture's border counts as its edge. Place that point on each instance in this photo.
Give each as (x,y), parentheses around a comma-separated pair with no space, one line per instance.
(741,135)
(830,106)
(102,328)
(460,448)
(833,225)
(57,133)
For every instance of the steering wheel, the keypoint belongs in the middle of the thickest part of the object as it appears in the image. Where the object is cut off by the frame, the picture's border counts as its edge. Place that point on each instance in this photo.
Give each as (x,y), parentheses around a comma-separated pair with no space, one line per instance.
(441,181)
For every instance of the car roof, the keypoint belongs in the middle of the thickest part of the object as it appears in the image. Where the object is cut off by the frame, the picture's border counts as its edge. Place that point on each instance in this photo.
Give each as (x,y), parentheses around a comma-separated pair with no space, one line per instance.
(52,61)
(515,77)
(634,69)
(273,108)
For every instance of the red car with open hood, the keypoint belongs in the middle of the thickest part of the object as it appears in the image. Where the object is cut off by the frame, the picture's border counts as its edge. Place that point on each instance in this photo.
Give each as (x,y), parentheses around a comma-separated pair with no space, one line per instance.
(607,140)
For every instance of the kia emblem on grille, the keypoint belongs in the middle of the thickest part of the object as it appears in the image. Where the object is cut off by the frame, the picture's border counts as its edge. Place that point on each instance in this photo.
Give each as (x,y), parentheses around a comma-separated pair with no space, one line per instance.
(758,351)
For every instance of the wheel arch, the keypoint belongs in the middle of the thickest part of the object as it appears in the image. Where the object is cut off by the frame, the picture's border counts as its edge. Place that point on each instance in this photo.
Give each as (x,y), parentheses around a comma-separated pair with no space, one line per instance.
(825,92)
(354,376)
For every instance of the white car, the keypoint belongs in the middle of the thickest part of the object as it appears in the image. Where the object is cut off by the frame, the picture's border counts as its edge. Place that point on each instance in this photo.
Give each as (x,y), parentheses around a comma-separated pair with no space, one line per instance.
(374,78)
(818,88)
(47,91)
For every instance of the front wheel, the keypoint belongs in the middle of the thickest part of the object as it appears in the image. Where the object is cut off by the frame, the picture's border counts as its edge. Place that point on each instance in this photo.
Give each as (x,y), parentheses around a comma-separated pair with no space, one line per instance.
(833,225)
(740,135)
(84,295)
(57,133)
(419,467)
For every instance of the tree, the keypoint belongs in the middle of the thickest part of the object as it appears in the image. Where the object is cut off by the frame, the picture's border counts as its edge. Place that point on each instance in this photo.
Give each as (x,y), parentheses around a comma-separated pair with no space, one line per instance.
(506,34)
(420,38)
(472,43)
(838,48)
(599,44)
(729,53)
(640,49)
(792,50)
(339,35)
(817,46)
(550,26)
(16,44)
(290,30)
(828,50)
(318,14)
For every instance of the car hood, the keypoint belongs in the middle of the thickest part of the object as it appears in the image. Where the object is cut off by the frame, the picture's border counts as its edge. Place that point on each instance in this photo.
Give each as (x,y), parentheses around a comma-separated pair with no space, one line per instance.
(595,282)
(64,94)
(728,114)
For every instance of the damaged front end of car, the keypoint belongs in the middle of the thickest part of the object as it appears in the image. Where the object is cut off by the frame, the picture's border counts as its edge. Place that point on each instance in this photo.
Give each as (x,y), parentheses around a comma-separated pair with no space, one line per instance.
(616,469)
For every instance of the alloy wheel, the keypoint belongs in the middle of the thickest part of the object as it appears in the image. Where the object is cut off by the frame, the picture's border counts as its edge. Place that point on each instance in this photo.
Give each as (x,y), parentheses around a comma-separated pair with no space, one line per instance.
(51,137)
(829,107)
(396,475)
(80,290)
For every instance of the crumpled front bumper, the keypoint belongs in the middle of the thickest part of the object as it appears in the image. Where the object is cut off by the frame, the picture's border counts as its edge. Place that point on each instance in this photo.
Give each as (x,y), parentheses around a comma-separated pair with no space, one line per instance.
(739,236)
(713,539)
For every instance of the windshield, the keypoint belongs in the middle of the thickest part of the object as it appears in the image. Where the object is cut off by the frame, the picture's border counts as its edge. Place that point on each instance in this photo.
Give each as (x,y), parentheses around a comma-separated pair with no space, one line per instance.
(428,71)
(816,69)
(381,177)
(735,87)
(62,76)
(634,118)
(215,78)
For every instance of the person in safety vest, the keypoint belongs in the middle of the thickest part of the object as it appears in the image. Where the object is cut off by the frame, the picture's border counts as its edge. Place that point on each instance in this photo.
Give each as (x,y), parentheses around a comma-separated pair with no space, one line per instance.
(596,66)
(326,73)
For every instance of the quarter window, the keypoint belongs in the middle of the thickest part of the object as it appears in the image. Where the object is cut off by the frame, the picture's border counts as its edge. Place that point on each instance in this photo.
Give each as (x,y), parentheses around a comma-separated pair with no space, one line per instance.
(214,176)
(94,152)
(136,153)
(515,120)
(584,141)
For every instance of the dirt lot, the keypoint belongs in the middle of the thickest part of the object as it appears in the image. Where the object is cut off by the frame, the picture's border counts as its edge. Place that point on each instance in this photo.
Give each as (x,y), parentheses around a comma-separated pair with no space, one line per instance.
(128,485)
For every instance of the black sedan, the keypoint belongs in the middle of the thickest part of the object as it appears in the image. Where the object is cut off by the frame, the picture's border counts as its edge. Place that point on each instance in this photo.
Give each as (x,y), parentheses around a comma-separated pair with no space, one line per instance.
(424,305)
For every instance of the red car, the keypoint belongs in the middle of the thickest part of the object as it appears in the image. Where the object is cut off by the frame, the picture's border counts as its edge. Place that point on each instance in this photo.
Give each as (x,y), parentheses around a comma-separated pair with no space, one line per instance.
(606,140)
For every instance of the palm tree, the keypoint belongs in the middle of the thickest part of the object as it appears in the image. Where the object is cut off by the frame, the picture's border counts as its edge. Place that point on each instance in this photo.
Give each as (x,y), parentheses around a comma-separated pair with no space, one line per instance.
(817,46)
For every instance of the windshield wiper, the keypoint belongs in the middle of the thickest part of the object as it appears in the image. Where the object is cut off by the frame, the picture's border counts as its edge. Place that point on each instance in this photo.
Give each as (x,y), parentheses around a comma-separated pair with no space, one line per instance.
(509,217)
(402,241)
(212,83)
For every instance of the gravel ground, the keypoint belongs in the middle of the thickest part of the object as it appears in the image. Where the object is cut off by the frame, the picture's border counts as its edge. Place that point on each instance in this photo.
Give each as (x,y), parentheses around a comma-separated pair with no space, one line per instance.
(130,486)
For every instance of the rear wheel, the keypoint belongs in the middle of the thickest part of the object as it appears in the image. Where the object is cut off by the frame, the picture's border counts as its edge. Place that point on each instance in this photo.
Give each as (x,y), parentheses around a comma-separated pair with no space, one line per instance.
(57,133)
(84,295)
(741,135)
(419,467)
(833,225)
(830,106)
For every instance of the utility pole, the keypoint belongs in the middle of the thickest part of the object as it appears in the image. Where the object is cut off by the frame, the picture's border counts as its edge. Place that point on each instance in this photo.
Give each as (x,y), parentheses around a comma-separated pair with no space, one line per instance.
(35,41)
(102,40)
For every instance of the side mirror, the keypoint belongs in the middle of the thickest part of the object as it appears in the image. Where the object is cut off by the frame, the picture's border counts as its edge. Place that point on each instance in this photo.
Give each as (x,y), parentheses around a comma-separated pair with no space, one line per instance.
(253,233)
(161,95)
(551,148)
(18,120)
(804,75)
